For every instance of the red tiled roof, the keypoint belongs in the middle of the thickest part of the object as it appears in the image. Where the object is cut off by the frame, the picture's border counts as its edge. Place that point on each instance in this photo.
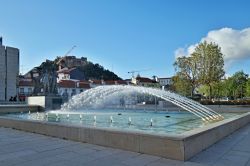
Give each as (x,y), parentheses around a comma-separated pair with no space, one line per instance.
(73,84)
(114,82)
(67,84)
(110,82)
(25,83)
(84,81)
(84,85)
(96,81)
(144,79)
(121,82)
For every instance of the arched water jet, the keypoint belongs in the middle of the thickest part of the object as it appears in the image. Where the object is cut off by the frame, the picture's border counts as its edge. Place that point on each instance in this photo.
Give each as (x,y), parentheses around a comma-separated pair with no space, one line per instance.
(97,97)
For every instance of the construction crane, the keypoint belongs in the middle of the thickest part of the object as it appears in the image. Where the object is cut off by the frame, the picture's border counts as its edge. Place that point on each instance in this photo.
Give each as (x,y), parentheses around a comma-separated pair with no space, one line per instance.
(72,48)
(137,71)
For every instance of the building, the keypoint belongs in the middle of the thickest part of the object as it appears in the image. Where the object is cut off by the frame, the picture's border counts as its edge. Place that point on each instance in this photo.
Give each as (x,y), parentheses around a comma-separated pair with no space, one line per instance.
(9,71)
(95,83)
(143,81)
(165,82)
(115,82)
(25,88)
(73,73)
(69,88)
(128,81)
(71,61)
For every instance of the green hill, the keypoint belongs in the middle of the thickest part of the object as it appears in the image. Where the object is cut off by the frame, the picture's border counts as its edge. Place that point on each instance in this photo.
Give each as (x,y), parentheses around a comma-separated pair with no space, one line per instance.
(89,69)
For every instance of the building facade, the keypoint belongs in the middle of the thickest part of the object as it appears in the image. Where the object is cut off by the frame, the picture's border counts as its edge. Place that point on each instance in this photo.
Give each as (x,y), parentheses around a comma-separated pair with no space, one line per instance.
(26,88)
(143,81)
(9,71)
(165,82)
(69,88)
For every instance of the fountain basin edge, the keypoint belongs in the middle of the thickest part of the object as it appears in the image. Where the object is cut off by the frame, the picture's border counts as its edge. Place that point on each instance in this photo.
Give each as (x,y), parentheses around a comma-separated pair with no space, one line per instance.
(178,147)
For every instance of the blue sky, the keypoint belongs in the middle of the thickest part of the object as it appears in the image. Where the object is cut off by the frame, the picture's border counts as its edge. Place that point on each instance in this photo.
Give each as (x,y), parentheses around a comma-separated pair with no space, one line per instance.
(121,35)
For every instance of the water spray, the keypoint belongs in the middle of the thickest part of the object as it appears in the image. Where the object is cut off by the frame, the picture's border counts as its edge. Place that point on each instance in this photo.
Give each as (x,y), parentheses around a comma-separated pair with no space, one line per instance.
(111,119)
(129,121)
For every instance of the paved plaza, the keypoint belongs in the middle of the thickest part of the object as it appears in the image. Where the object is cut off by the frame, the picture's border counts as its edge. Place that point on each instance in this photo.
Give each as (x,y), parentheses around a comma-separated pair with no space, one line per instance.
(28,149)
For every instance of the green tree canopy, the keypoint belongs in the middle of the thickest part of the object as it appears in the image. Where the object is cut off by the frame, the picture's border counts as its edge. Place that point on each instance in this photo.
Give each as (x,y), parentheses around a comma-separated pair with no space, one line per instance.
(203,67)
(237,84)
(210,64)
(248,88)
(181,85)
(187,73)
(96,71)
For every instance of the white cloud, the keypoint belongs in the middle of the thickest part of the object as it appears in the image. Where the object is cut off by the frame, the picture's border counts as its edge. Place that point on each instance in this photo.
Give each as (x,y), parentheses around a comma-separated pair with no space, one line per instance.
(235,44)
(180,52)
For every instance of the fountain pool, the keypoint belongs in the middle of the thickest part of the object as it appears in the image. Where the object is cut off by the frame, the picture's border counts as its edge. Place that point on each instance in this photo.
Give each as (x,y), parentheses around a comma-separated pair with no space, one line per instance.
(140,121)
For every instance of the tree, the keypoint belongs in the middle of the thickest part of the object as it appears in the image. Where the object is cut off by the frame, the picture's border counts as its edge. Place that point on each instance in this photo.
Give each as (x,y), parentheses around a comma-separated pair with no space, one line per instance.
(187,74)
(219,89)
(210,64)
(203,67)
(238,84)
(181,85)
(248,88)
(96,71)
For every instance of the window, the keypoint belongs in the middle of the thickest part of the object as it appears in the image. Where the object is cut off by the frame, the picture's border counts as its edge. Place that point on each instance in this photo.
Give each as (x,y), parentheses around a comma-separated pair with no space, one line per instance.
(21,90)
(29,90)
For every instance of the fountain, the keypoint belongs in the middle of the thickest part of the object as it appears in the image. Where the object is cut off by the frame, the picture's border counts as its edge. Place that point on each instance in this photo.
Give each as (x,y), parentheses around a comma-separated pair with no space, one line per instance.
(129,121)
(101,96)
(111,119)
(119,116)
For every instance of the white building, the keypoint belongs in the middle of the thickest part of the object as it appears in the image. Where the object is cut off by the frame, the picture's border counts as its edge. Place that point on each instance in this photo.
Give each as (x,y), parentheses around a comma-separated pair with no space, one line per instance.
(26,88)
(165,82)
(69,88)
(9,71)
(143,81)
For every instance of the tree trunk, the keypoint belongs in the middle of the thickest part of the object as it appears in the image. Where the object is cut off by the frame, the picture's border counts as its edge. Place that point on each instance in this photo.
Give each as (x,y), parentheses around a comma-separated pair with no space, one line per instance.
(192,91)
(210,91)
(241,92)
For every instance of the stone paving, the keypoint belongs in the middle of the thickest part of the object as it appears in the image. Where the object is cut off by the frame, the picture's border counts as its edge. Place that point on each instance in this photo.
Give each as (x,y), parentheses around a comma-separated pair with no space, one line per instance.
(28,149)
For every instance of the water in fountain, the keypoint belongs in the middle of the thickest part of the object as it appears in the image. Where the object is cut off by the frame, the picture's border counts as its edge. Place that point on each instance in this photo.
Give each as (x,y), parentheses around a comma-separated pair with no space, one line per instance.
(102,96)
